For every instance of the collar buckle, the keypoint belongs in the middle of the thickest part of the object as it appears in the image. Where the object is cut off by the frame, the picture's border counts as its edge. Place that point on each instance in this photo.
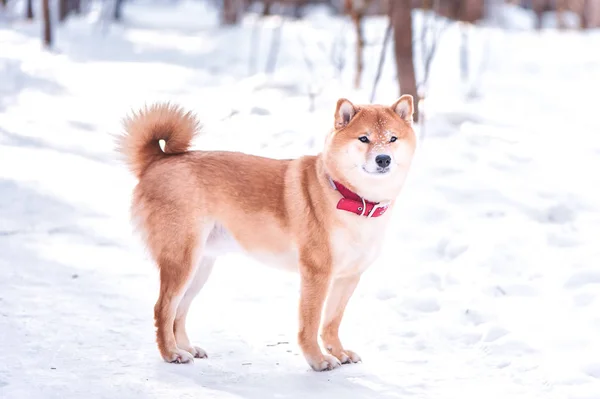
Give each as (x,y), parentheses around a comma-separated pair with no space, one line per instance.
(364,207)
(382,205)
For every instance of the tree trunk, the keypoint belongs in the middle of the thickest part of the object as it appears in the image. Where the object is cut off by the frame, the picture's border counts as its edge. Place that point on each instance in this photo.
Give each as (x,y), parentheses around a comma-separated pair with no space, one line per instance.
(592,14)
(29,9)
(560,13)
(267,7)
(3,3)
(230,12)
(118,14)
(357,18)
(539,6)
(63,9)
(47,26)
(401,17)
(583,16)
(347,6)
(299,7)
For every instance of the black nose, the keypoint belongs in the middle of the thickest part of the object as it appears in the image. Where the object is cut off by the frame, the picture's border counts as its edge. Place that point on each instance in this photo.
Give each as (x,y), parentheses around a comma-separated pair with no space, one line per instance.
(383,160)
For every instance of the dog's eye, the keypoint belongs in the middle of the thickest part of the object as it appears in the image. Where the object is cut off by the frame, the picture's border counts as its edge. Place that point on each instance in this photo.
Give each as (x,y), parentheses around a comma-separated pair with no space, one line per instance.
(394,138)
(364,139)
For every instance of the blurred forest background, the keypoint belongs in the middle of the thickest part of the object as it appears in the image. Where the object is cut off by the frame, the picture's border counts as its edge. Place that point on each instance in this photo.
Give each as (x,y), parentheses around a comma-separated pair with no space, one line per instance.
(412,50)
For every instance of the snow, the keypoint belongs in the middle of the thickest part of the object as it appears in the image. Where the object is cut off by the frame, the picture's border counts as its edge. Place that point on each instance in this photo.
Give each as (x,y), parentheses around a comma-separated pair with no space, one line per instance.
(489,282)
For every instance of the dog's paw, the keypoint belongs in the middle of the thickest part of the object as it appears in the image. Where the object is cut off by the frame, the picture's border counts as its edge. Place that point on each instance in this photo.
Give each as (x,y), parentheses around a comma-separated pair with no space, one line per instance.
(344,355)
(347,356)
(197,352)
(179,356)
(326,362)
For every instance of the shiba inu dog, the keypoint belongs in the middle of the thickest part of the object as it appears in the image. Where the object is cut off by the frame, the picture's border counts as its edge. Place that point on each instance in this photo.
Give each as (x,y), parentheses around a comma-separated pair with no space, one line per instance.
(321,216)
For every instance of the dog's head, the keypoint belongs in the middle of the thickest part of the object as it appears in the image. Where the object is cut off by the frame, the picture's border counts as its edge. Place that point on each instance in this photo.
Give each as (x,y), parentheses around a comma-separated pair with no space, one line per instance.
(371,147)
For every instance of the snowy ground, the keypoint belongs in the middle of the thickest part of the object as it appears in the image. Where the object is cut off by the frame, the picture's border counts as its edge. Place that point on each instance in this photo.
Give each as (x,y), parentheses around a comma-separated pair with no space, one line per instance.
(489,285)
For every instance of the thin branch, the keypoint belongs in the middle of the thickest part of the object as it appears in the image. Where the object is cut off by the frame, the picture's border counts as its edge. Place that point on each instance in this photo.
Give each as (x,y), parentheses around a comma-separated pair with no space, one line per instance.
(386,39)
(357,13)
(435,27)
(431,51)
(428,19)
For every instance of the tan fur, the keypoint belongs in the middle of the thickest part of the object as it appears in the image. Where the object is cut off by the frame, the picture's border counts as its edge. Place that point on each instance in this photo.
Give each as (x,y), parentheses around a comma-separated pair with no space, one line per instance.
(192,206)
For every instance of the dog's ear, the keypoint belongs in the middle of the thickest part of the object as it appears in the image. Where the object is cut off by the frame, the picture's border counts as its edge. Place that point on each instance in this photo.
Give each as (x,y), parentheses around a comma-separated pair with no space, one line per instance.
(404,108)
(344,113)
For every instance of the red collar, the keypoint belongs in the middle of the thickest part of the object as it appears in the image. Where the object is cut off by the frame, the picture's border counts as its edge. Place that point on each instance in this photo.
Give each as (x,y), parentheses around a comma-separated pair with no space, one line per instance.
(354,203)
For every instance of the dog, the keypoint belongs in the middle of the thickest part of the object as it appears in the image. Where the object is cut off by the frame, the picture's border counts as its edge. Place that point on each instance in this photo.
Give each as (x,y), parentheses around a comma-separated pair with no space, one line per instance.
(321,216)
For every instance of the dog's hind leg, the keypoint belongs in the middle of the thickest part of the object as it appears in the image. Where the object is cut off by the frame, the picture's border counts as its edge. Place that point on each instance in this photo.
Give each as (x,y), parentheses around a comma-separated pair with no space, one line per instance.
(177,273)
(200,277)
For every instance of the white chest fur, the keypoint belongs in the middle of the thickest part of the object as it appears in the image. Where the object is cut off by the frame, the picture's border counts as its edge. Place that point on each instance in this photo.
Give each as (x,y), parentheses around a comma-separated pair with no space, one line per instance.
(357,243)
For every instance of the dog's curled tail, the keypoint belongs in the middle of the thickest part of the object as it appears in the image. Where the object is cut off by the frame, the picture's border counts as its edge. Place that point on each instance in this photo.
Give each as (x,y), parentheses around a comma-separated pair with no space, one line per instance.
(140,144)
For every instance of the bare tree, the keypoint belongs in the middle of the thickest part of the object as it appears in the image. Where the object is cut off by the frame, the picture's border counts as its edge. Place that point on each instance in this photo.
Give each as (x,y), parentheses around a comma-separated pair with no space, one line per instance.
(401,17)
(561,6)
(357,10)
(589,14)
(431,32)
(587,10)
(299,6)
(267,4)
(539,6)
(118,11)
(584,15)
(47,25)
(230,12)
(3,3)
(29,9)
(67,7)
(63,9)
(386,39)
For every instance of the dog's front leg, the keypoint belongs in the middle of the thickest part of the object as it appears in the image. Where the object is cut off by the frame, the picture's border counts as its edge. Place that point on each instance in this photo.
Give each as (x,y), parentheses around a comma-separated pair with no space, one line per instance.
(313,291)
(341,290)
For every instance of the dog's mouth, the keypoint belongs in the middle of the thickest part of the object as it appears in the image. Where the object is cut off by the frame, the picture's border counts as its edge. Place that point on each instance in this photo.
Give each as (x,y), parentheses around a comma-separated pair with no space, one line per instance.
(377,172)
